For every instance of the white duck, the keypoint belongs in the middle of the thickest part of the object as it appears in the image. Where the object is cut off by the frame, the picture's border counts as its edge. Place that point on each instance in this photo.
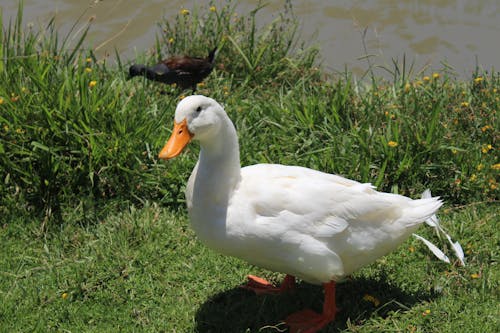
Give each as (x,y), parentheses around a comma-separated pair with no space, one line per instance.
(308,224)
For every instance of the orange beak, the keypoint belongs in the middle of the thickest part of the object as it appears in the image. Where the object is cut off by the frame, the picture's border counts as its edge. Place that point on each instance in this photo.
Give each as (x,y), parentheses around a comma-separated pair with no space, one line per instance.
(178,140)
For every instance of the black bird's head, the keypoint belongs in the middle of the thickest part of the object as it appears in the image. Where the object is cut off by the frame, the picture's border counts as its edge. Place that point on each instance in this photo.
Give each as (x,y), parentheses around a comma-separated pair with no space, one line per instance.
(136,70)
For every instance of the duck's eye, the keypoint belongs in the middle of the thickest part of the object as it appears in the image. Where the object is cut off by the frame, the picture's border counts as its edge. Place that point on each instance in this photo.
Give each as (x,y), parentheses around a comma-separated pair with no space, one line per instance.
(198,109)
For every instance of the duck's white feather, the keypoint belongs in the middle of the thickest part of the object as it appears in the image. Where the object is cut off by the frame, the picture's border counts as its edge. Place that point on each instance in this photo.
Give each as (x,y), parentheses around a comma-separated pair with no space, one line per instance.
(313,225)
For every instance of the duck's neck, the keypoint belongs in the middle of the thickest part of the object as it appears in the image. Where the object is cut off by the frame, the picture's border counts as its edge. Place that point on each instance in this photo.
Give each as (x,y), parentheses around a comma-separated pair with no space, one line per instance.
(218,170)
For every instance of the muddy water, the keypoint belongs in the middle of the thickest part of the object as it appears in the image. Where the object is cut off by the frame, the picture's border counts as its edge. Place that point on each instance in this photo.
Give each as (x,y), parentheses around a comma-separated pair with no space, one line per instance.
(460,33)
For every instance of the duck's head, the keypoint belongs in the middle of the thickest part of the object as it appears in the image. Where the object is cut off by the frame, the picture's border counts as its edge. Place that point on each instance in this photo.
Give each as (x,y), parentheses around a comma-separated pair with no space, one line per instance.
(136,70)
(197,117)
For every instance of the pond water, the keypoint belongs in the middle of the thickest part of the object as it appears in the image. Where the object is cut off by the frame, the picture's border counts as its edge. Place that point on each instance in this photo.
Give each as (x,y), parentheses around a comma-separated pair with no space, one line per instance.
(460,33)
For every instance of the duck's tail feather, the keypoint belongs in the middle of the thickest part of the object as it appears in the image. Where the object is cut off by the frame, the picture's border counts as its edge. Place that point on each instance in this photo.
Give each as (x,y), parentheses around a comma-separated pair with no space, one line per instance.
(211,55)
(433,221)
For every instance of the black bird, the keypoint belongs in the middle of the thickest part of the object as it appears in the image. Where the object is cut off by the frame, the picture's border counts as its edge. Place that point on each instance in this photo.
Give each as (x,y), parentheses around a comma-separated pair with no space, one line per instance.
(185,71)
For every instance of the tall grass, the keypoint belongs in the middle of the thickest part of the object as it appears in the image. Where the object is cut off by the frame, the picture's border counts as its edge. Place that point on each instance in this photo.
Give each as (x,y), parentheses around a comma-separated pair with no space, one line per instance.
(76,134)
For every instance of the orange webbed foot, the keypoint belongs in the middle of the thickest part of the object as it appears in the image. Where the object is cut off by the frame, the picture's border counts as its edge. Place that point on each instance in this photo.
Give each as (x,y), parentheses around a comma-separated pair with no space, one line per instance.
(308,321)
(261,286)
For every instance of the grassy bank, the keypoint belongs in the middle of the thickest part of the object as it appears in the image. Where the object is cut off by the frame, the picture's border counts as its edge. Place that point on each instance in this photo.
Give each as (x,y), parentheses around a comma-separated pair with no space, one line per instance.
(144,271)
(94,232)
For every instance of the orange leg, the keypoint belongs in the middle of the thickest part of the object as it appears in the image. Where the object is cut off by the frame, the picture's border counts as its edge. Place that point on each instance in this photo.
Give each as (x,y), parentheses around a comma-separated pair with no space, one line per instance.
(308,321)
(261,286)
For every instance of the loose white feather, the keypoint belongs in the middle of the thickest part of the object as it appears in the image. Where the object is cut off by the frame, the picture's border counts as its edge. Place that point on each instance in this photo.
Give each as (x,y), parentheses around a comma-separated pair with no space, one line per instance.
(434,249)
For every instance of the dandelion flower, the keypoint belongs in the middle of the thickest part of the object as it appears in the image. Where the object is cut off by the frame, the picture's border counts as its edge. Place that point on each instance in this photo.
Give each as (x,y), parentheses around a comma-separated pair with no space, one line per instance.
(435,76)
(392,144)
(407,87)
(213,9)
(6,128)
(426,312)
(24,89)
(464,104)
(64,295)
(473,177)
(171,40)
(486,148)
(1,100)
(92,84)
(485,128)
(478,80)
(496,166)
(480,167)
(88,69)
(475,276)
(426,78)
(184,12)
(181,97)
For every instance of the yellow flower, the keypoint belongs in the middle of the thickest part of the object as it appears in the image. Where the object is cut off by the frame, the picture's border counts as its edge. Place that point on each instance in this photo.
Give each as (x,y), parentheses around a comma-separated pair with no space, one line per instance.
(200,85)
(407,87)
(479,167)
(64,295)
(478,80)
(1,100)
(454,151)
(181,97)
(411,249)
(485,128)
(213,9)
(475,276)
(486,148)
(92,84)
(88,60)
(24,89)
(473,177)
(20,131)
(426,78)
(464,104)
(88,69)
(370,298)
(426,312)
(6,128)
(184,11)
(392,144)
(496,166)
(171,40)
(435,76)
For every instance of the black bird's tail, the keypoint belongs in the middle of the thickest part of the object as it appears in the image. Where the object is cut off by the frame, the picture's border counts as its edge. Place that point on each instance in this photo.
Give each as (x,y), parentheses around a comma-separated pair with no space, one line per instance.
(211,55)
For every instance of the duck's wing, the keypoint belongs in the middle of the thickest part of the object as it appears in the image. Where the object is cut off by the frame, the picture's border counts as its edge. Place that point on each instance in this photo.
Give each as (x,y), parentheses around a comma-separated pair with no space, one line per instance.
(188,65)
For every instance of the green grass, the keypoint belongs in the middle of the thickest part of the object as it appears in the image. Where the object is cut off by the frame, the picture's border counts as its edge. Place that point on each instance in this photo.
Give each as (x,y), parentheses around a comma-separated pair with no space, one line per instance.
(87,210)
(144,270)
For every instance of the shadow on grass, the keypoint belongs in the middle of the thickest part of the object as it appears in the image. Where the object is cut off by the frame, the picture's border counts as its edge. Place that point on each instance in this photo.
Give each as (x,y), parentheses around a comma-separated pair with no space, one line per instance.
(239,310)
